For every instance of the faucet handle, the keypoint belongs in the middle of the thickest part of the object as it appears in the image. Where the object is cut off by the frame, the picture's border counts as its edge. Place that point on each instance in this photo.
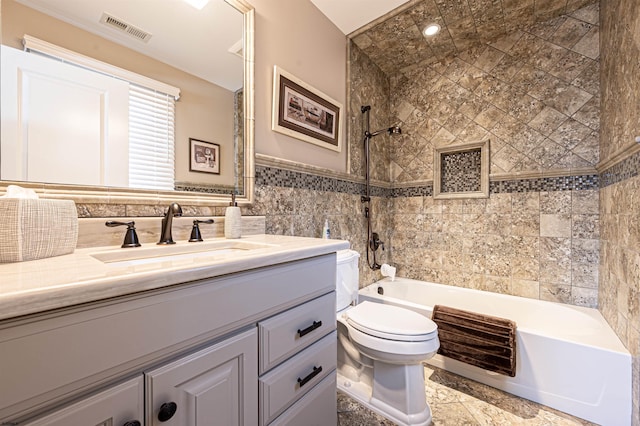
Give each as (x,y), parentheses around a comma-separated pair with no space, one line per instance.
(195,231)
(130,238)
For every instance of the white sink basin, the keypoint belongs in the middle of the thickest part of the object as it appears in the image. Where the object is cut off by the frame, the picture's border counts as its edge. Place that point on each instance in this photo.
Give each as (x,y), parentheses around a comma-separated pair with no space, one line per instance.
(176,252)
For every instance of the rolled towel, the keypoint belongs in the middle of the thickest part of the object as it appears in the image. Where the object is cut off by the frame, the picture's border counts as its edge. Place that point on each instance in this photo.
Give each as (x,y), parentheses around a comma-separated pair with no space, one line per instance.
(388,271)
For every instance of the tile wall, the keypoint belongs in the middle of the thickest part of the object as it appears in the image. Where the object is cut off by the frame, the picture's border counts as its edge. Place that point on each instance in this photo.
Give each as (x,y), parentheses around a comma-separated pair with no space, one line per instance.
(534,94)
(297,203)
(619,295)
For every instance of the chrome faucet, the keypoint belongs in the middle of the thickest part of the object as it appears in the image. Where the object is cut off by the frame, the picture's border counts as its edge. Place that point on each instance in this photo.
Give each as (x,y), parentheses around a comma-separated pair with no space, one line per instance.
(173,210)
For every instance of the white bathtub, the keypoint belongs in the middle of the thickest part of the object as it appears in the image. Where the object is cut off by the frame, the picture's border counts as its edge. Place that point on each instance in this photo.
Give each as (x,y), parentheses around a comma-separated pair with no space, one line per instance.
(567,356)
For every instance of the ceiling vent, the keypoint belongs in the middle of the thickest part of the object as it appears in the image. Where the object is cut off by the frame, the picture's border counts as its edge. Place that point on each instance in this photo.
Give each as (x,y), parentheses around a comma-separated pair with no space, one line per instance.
(119,24)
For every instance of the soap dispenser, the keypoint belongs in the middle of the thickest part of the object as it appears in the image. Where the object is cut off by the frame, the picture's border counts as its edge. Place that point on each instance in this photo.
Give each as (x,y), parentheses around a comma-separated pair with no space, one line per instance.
(232,219)
(326,232)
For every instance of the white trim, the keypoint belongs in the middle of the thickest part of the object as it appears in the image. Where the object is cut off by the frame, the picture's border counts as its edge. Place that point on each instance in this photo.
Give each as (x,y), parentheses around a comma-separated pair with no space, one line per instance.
(34,44)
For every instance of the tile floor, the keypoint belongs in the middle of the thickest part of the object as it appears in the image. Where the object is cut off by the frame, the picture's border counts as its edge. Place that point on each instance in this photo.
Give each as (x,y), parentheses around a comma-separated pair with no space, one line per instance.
(458,401)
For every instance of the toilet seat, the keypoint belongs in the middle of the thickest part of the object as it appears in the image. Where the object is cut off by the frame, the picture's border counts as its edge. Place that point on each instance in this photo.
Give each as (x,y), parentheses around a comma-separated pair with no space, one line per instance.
(391,322)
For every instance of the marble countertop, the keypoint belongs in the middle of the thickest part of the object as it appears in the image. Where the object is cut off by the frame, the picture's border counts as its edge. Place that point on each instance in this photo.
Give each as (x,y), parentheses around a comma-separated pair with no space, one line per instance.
(80,277)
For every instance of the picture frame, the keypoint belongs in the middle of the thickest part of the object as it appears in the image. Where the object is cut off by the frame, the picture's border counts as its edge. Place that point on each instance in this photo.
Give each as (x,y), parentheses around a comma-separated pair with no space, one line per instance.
(204,157)
(305,113)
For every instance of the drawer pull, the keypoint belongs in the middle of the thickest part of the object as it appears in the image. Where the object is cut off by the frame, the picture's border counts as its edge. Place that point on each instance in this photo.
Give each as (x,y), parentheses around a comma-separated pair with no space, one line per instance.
(133,423)
(314,373)
(316,324)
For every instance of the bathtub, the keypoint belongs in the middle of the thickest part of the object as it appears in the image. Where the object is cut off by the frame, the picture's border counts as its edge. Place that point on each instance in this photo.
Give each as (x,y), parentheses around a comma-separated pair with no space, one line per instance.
(567,357)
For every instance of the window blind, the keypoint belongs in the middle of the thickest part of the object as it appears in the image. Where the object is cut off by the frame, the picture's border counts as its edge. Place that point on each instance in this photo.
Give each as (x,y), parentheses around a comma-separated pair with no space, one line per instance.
(151,138)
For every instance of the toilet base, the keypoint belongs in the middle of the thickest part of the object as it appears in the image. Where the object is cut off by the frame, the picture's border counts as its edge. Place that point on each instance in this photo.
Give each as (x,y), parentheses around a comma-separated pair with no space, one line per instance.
(362,392)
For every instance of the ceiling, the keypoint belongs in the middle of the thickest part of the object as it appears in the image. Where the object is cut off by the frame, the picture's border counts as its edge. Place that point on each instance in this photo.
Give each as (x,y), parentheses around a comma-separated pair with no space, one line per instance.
(200,47)
(350,15)
(395,41)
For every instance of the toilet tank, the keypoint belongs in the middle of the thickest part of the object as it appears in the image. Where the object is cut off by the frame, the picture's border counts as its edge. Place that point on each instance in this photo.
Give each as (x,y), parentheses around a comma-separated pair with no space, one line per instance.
(347,278)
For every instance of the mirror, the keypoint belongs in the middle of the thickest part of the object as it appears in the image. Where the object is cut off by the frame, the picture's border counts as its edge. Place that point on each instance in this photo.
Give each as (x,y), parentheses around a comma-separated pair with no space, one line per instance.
(197,116)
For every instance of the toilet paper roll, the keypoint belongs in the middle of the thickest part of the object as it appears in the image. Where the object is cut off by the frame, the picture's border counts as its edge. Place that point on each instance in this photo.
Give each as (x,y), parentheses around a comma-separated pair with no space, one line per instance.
(388,271)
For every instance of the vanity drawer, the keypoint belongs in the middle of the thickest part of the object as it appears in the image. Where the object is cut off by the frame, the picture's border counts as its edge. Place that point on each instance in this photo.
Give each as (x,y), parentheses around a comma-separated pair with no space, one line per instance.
(317,408)
(288,382)
(291,331)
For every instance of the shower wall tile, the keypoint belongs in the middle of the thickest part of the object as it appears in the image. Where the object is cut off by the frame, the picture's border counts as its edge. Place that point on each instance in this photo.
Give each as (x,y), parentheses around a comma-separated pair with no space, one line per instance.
(532,93)
(619,272)
(368,86)
(555,225)
(523,241)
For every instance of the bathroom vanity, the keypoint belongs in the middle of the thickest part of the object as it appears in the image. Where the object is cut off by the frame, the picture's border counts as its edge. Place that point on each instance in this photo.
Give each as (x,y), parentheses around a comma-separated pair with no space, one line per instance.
(227,333)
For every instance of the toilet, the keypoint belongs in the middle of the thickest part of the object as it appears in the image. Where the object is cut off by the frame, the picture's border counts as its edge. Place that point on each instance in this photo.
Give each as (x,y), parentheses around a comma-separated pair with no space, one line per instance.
(381,349)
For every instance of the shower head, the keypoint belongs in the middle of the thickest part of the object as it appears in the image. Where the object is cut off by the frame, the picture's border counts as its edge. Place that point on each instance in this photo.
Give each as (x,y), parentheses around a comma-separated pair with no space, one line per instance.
(393,130)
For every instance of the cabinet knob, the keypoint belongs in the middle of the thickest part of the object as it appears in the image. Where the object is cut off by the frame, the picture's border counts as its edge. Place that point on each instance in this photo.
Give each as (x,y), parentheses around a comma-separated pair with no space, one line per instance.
(167,410)
(132,423)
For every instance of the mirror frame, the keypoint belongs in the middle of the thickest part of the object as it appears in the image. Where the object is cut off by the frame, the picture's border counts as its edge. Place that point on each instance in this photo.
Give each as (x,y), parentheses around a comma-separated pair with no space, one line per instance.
(108,195)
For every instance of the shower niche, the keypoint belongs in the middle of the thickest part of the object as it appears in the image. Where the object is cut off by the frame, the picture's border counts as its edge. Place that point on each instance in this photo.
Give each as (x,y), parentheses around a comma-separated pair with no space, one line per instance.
(461,171)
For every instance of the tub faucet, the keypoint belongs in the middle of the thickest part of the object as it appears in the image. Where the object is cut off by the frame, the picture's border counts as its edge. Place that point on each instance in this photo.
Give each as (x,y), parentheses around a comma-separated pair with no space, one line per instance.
(375,243)
(165,236)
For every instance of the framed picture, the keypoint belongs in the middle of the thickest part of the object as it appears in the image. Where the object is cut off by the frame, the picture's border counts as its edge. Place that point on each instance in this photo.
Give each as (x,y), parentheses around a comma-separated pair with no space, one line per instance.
(305,113)
(204,156)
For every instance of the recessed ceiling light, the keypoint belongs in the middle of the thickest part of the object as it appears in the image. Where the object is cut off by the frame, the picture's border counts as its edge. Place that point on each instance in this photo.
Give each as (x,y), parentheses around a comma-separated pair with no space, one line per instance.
(431,30)
(198,4)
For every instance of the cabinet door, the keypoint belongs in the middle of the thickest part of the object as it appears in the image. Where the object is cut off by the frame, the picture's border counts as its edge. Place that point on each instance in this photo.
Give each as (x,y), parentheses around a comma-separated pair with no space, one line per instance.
(215,386)
(117,406)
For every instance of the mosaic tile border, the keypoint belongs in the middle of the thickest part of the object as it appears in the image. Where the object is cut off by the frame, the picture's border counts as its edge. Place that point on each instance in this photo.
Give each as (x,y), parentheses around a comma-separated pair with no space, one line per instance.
(271,176)
(625,169)
(548,184)
(203,188)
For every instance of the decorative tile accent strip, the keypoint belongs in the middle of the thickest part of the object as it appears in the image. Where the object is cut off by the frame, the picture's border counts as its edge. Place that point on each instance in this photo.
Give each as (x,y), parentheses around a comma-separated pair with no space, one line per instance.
(561,183)
(203,188)
(461,171)
(271,176)
(623,170)
(413,191)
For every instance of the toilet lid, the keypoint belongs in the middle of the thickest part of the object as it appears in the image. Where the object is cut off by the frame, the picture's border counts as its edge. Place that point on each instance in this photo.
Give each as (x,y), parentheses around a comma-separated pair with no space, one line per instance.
(391,322)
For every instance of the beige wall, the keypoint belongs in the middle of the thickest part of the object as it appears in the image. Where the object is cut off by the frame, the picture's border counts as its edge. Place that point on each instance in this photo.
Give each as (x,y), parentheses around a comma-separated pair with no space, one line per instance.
(619,295)
(204,111)
(297,37)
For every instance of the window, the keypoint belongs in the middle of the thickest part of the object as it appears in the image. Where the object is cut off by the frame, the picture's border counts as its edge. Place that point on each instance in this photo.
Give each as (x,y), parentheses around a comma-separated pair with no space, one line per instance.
(151,115)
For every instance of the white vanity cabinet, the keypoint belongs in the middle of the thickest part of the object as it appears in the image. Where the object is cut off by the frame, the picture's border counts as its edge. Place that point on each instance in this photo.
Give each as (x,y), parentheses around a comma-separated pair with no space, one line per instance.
(298,352)
(216,385)
(197,345)
(120,405)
